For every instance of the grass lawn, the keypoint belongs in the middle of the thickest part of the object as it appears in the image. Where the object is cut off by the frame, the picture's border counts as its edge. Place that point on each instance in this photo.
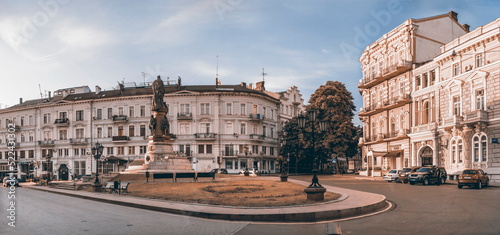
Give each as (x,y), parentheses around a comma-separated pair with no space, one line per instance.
(234,192)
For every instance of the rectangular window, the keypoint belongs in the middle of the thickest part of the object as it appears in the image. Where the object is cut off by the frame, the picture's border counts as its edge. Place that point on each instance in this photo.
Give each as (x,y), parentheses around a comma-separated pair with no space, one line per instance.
(131,150)
(31,153)
(31,122)
(208,149)
(143,130)
(229,109)
(480,99)
(120,111)
(110,113)
(131,111)
(143,149)
(184,109)
(79,115)
(432,77)
(99,114)
(143,111)
(271,151)
(131,130)
(63,134)
(99,132)
(229,164)
(457,106)
(76,152)
(22,121)
(205,108)
(205,127)
(228,150)
(456,69)
(79,134)
(243,128)
(185,128)
(46,118)
(110,132)
(120,131)
(229,128)
(201,149)
(109,150)
(120,150)
(243,109)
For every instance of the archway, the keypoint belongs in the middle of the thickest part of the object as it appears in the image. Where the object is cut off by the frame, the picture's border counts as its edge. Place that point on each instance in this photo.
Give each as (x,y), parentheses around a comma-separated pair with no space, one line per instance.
(426,156)
(63,172)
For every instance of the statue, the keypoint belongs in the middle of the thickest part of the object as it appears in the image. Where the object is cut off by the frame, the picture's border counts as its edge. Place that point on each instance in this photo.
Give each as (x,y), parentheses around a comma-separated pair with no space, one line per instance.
(165,126)
(152,124)
(158,93)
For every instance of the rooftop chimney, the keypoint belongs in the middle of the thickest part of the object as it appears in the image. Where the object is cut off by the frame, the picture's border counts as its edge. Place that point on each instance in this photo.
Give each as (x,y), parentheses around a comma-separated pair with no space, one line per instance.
(454,15)
(243,84)
(259,86)
(50,94)
(467,27)
(250,86)
(20,100)
(97,89)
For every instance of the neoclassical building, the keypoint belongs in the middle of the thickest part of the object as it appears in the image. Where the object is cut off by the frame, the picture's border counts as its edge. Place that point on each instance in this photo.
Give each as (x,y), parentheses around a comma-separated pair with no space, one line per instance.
(450,112)
(215,126)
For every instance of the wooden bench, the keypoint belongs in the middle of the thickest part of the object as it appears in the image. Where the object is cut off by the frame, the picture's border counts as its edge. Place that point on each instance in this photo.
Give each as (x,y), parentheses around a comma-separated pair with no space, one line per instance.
(109,187)
(205,175)
(185,175)
(124,187)
(163,176)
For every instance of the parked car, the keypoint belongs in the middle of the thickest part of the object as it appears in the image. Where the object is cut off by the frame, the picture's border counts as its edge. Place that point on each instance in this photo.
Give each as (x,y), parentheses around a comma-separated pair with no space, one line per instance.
(219,171)
(392,175)
(429,174)
(405,173)
(251,171)
(473,178)
(8,181)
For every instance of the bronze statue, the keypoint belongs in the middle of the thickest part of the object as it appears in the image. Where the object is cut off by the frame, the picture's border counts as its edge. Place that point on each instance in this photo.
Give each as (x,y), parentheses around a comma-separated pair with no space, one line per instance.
(165,126)
(152,124)
(158,92)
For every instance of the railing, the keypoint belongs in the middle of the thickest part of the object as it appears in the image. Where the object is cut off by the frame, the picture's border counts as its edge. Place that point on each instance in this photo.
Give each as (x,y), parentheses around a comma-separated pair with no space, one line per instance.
(476,115)
(120,118)
(79,140)
(62,122)
(257,137)
(46,143)
(398,65)
(256,116)
(426,127)
(453,120)
(204,135)
(184,116)
(120,138)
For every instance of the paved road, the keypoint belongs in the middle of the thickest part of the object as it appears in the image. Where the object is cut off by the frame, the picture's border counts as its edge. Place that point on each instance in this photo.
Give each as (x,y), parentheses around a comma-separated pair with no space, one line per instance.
(432,209)
(40,212)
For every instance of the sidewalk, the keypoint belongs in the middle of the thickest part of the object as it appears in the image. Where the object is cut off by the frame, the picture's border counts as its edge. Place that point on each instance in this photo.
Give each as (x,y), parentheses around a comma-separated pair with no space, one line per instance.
(351,203)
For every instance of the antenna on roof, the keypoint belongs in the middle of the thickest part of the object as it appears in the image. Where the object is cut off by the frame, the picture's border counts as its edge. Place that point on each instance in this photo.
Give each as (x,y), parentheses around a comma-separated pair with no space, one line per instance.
(217,81)
(263,74)
(40,88)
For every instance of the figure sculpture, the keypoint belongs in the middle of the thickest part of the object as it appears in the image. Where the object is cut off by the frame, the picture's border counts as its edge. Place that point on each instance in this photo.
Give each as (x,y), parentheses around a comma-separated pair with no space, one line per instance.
(158,92)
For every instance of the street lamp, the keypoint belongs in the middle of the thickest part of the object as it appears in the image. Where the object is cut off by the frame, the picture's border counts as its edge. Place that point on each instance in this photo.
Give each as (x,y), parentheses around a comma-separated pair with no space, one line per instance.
(97,153)
(315,191)
(49,168)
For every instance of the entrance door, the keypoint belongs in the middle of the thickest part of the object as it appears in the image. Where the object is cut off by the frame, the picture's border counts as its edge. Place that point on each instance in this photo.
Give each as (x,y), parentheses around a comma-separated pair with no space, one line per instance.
(426,156)
(63,172)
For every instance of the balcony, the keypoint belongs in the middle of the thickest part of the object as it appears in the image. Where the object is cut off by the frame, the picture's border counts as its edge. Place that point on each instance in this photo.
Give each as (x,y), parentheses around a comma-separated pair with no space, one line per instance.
(79,141)
(475,116)
(398,101)
(452,121)
(62,122)
(184,116)
(256,137)
(256,117)
(204,136)
(120,118)
(120,138)
(46,143)
(13,144)
(426,127)
(388,72)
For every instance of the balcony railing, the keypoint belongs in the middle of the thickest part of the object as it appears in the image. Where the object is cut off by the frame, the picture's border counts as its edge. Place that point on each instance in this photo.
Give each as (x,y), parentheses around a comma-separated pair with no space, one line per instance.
(204,135)
(452,121)
(61,122)
(256,117)
(257,137)
(78,141)
(120,118)
(120,138)
(184,116)
(46,143)
(426,127)
(392,70)
(476,116)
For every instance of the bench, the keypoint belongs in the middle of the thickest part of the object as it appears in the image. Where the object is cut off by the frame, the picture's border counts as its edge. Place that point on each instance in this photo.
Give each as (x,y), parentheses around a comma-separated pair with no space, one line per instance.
(185,175)
(109,186)
(205,175)
(124,187)
(163,176)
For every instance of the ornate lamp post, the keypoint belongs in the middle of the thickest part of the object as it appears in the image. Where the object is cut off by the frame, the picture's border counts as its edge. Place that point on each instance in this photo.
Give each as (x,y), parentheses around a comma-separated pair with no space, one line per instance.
(49,168)
(97,153)
(315,191)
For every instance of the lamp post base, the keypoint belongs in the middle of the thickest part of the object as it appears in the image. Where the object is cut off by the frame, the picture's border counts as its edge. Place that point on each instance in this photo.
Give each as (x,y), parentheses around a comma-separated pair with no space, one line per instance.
(284,178)
(97,187)
(315,193)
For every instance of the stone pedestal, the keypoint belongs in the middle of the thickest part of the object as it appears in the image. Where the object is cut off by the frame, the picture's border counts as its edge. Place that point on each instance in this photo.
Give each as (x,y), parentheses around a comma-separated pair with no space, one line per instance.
(97,188)
(284,178)
(158,151)
(315,193)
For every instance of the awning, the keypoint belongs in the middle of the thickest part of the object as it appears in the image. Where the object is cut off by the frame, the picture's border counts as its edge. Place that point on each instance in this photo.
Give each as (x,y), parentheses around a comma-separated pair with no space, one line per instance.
(394,153)
(376,153)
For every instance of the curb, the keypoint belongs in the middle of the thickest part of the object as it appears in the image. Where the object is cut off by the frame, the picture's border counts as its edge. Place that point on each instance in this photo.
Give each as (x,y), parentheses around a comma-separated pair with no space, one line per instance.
(313,213)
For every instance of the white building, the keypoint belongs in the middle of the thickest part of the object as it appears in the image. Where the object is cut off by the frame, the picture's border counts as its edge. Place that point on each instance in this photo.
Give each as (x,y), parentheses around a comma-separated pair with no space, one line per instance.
(215,126)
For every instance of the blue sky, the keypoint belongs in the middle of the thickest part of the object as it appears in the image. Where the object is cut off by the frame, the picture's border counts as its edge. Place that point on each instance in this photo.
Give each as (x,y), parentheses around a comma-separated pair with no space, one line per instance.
(56,44)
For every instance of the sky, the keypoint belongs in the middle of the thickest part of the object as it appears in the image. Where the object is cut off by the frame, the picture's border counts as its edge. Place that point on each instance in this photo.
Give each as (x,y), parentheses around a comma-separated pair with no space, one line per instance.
(46,45)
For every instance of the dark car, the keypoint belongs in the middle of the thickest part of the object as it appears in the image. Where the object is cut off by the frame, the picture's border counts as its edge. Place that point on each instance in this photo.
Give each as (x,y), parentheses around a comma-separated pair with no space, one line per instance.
(405,173)
(8,181)
(219,171)
(429,174)
(473,178)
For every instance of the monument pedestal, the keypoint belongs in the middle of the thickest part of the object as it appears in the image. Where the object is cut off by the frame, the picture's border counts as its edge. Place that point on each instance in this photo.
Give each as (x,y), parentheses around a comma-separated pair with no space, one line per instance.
(160,156)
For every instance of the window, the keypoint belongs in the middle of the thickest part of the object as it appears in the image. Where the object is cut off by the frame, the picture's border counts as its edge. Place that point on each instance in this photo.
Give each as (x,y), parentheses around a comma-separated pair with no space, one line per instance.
(205,108)
(110,113)
(432,77)
(229,164)
(46,118)
(228,150)
(63,134)
(205,149)
(229,128)
(131,150)
(143,149)
(109,150)
(271,151)
(264,150)
(417,82)
(79,134)
(426,112)
(31,122)
(76,152)
(476,149)
(243,128)
(460,151)
(480,99)
(99,132)
(99,114)
(110,132)
(264,128)
(131,130)
(79,167)
(185,149)
(120,111)
(425,81)
(79,115)
(143,111)
(484,147)
(208,149)
(184,109)
(22,121)
(205,127)
(229,109)
(47,135)
(131,111)
(479,60)
(185,128)
(120,150)
(271,132)
(120,131)
(31,153)
(456,69)
(31,137)
(243,109)
(457,106)
(143,130)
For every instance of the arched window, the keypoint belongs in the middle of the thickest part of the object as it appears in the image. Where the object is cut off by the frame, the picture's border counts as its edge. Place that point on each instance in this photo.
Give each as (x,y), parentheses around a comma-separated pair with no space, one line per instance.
(393,130)
(475,153)
(403,122)
(460,151)
(425,113)
(453,152)
(374,131)
(417,113)
(484,147)
(480,147)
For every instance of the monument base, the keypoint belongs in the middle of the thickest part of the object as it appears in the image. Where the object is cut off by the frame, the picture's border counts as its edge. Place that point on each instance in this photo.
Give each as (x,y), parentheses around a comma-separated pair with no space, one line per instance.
(315,193)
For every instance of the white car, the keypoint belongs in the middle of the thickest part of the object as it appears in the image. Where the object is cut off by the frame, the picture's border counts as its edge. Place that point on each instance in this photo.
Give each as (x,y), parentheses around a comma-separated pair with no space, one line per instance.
(392,175)
(251,171)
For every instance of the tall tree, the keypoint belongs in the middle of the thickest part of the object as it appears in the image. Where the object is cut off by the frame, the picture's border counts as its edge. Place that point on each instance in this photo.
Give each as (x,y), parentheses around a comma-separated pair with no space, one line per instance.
(335,105)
